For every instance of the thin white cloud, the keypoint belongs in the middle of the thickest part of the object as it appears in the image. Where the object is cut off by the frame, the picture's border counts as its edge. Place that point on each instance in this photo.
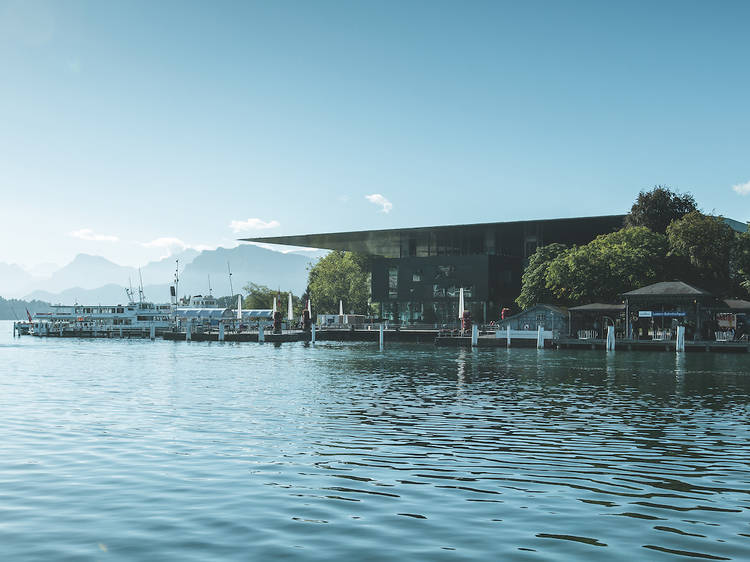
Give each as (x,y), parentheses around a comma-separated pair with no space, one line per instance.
(169,242)
(742,188)
(377,199)
(252,224)
(88,234)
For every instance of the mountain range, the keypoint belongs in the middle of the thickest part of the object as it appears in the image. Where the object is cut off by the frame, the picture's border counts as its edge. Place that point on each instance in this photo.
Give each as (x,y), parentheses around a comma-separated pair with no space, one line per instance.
(94,279)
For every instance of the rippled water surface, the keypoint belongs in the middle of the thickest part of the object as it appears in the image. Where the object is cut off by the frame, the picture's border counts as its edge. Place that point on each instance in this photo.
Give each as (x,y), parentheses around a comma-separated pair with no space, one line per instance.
(194,451)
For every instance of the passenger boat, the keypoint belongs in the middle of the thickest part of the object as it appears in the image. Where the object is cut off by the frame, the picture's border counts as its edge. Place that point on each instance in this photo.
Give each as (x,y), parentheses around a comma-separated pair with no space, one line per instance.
(136,319)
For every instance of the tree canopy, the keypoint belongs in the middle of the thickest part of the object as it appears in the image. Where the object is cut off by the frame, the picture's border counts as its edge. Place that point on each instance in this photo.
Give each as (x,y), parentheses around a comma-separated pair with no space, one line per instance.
(534,282)
(340,276)
(261,297)
(608,266)
(703,246)
(657,208)
(665,238)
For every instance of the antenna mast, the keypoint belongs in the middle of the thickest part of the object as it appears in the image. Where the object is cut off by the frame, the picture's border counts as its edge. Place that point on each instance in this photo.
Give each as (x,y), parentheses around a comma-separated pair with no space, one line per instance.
(129,292)
(231,289)
(140,287)
(177,282)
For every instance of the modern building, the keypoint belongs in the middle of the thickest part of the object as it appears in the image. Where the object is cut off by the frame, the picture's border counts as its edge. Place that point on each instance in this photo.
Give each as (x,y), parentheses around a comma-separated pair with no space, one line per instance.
(417,273)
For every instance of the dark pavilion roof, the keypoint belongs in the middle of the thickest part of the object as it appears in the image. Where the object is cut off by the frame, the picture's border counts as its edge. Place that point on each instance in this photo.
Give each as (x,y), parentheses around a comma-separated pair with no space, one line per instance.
(737,304)
(387,242)
(668,289)
(598,307)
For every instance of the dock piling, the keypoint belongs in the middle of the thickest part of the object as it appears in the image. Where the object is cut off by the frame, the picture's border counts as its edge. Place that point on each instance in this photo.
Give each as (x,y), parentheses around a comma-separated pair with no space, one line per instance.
(221,331)
(540,337)
(507,335)
(261,334)
(381,337)
(610,338)
(474,336)
(680,344)
(312,334)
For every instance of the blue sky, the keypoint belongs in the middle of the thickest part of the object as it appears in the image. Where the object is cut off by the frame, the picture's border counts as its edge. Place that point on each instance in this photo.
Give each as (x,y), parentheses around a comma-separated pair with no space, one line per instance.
(131,129)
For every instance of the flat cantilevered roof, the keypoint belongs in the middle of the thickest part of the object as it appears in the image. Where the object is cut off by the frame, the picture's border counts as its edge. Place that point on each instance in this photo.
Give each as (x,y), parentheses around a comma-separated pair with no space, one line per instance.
(386,242)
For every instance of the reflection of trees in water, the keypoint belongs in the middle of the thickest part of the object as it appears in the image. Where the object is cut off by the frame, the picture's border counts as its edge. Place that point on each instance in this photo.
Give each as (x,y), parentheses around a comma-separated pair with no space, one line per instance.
(628,387)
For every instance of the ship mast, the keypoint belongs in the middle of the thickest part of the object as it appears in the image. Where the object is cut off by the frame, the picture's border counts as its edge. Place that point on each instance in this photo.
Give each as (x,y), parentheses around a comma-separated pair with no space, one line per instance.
(177,282)
(140,287)
(129,292)
(231,289)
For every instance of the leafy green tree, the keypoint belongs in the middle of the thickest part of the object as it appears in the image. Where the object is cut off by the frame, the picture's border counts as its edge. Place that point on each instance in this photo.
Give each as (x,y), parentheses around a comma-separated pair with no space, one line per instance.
(261,297)
(740,263)
(340,276)
(657,208)
(703,246)
(608,266)
(534,281)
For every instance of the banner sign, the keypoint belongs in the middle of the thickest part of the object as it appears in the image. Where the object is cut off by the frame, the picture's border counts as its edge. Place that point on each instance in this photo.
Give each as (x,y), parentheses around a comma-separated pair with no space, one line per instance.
(658,314)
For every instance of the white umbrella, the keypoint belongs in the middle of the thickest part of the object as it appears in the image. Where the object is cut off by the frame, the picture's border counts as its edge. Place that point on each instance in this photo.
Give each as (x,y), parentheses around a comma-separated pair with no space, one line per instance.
(239,307)
(274,305)
(309,306)
(290,314)
(341,308)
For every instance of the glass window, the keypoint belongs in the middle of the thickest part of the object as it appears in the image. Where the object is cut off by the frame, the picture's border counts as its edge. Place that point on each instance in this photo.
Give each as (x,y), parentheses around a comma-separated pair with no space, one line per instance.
(392,282)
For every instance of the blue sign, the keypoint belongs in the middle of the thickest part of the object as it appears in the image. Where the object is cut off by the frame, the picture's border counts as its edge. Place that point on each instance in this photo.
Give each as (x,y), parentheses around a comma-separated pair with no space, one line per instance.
(659,314)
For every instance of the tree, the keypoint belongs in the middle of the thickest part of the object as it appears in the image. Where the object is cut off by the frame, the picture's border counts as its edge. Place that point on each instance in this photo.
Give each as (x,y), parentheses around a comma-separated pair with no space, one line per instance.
(740,262)
(656,209)
(261,297)
(703,246)
(608,266)
(534,281)
(340,276)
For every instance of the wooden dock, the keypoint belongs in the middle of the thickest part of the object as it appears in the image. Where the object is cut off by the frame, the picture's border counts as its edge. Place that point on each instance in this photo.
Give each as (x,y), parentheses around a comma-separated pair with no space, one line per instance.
(655,345)
(339,335)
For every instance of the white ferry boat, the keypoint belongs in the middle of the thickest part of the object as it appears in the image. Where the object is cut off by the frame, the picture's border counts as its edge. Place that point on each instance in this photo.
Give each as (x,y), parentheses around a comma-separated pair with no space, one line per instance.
(136,319)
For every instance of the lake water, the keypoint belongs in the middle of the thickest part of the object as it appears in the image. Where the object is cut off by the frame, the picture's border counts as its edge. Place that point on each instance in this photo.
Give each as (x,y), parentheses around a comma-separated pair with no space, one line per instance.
(121,450)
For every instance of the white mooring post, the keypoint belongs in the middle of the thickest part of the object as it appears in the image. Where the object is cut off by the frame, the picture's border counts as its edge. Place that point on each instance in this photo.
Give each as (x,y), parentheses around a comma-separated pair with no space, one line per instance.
(221,331)
(120,332)
(61,330)
(188,335)
(540,337)
(507,335)
(381,337)
(680,345)
(610,338)
(312,333)
(261,334)
(474,335)
(152,332)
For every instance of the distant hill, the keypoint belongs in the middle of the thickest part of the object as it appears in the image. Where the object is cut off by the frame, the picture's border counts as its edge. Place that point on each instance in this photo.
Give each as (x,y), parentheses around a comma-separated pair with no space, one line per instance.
(15,309)
(14,280)
(249,263)
(106,294)
(88,272)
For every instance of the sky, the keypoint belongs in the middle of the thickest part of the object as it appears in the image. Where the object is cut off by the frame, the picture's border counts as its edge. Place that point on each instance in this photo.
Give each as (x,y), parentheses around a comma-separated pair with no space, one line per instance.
(134,129)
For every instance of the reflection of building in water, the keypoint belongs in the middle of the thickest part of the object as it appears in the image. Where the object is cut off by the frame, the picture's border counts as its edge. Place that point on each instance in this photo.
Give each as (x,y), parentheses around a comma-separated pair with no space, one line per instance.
(417,273)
